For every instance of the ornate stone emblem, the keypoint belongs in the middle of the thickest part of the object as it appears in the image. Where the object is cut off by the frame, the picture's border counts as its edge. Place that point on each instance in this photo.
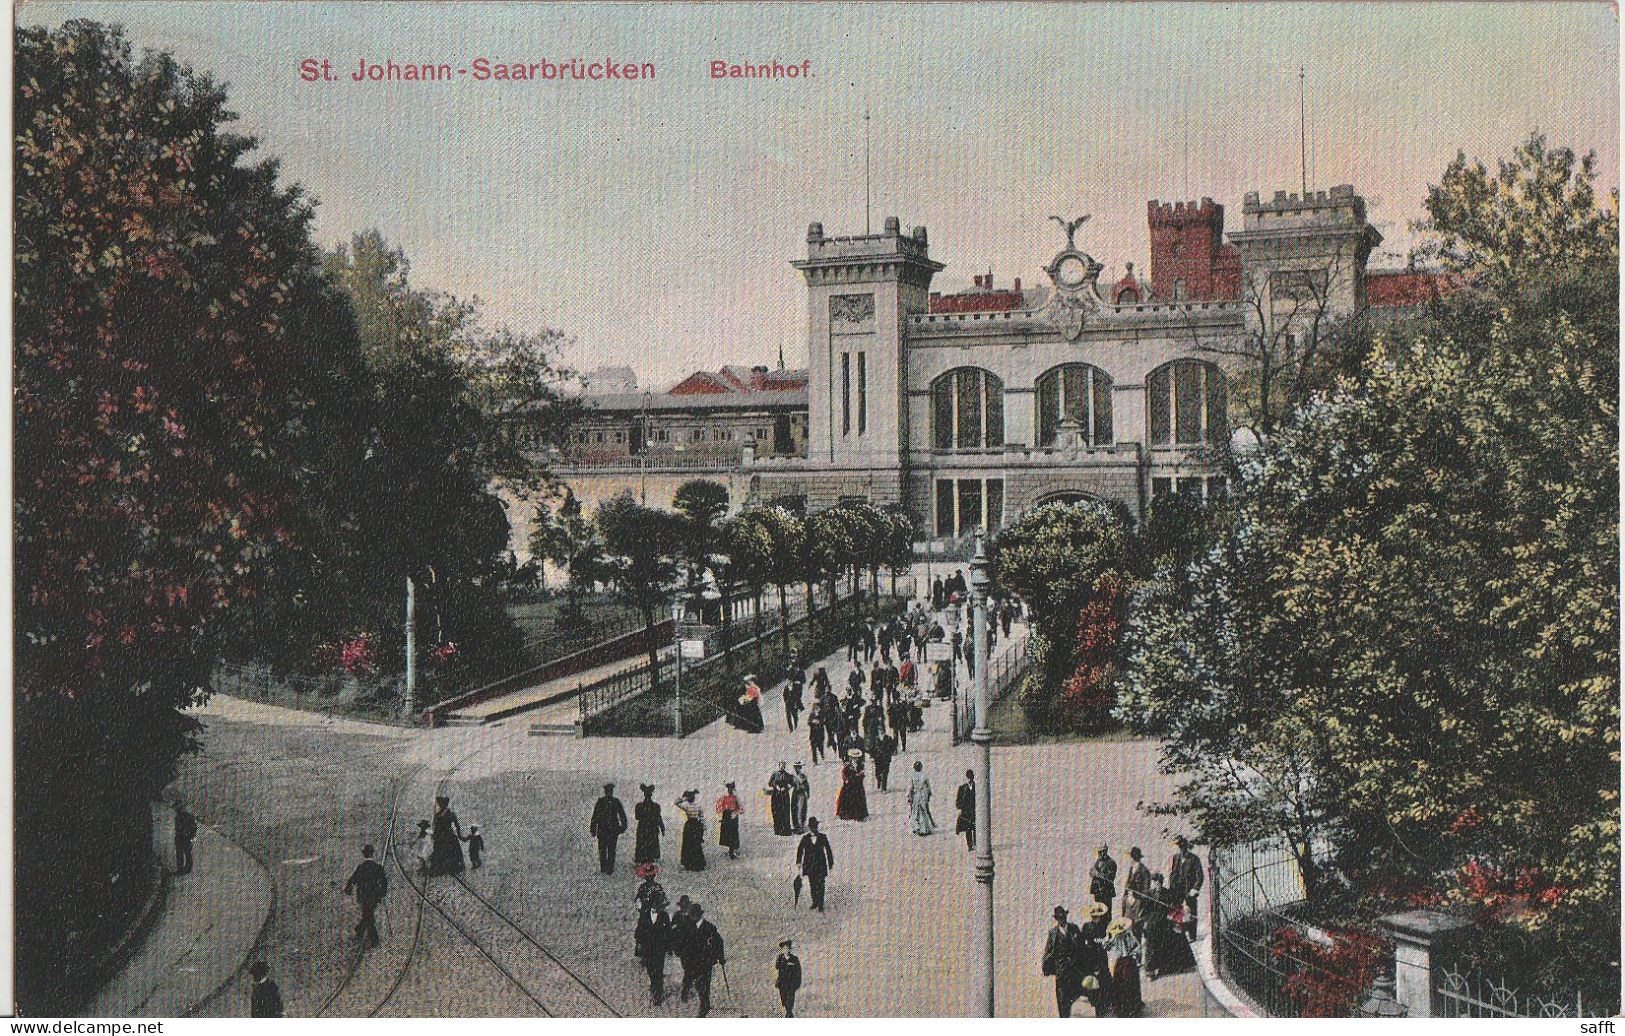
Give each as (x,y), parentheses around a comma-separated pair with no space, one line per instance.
(1075,275)
(851,309)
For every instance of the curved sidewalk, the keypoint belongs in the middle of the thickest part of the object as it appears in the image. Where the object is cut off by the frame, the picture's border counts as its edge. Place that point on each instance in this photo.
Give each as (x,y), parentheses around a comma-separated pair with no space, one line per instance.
(210,923)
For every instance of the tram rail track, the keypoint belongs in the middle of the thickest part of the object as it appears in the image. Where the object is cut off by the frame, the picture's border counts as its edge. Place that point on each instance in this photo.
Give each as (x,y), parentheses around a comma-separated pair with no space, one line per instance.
(525,964)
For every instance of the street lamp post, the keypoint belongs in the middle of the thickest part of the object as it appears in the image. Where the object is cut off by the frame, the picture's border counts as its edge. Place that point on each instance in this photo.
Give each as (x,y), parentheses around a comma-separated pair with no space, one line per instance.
(677,642)
(411,648)
(982,737)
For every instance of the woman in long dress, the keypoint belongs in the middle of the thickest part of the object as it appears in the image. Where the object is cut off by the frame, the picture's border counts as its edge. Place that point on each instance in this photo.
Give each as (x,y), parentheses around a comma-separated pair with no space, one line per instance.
(423,846)
(650,826)
(919,802)
(851,803)
(728,810)
(1120,942)
(693,853)
(448,840)
(1166,951)
(746,714)
(779,788)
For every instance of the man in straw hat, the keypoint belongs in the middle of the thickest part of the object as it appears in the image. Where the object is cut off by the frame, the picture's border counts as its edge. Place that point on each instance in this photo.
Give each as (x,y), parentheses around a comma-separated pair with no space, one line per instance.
(1092,961)
(787,977)
(1061,961)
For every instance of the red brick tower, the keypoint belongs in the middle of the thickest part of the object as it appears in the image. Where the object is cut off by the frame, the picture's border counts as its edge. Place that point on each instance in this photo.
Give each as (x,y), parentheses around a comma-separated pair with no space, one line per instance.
(1189,257)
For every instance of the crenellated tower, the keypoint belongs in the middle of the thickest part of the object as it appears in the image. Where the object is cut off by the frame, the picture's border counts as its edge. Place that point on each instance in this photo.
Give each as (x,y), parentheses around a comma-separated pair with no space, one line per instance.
(860,290)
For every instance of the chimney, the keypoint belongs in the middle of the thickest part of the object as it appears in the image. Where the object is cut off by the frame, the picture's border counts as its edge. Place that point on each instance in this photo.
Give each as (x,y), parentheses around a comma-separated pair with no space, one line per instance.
(1017,288)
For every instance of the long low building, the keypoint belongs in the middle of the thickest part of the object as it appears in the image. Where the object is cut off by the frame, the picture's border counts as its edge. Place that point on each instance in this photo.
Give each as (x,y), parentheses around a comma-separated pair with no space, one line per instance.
(972,407)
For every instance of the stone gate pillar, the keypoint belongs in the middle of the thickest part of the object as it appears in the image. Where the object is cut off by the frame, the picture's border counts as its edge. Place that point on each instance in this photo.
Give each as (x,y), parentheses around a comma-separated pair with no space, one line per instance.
(1420,939)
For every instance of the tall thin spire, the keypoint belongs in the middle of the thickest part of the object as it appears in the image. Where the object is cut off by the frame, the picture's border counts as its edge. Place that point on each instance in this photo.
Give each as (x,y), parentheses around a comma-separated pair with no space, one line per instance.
(1303,139)
(866,168)
(781,356)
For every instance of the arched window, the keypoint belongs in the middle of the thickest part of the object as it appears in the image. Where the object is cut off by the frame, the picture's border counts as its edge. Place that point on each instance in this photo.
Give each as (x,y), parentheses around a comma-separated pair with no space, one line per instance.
(1078,392)
(967,410)
(1186,404)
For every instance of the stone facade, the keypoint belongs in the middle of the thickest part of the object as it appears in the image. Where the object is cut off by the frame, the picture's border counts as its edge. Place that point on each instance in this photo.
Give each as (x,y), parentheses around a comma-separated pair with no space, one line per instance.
(969,413)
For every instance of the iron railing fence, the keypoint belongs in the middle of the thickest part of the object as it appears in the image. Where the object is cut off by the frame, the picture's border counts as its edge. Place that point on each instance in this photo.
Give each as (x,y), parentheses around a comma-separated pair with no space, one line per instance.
(702,703)
(363,692)
(1009,662)
(1263,946)
(1467,994)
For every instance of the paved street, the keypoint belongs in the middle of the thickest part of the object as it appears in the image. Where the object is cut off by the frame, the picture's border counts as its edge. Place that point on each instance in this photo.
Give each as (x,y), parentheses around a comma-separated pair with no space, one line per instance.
(304,793)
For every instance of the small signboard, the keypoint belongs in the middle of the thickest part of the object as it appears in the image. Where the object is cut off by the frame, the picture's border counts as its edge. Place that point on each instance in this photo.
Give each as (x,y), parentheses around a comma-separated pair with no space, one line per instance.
(691,648)
(938,651)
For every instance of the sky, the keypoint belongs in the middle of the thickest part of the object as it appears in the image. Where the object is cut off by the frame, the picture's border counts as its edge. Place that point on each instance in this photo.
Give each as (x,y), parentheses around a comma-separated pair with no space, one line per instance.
(654,222)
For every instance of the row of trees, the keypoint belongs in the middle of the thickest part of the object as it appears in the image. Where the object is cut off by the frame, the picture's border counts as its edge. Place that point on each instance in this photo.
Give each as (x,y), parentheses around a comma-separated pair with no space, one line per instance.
(649,555)
(229,443)
(1395,646)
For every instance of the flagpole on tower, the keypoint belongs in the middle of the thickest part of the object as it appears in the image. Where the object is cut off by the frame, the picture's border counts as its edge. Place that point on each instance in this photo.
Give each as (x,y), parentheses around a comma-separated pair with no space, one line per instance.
(866,169)
(1303,145)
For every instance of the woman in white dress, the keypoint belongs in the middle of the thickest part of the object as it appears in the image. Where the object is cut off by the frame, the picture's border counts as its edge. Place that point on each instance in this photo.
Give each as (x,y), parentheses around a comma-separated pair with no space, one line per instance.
(423,846)
(919,802)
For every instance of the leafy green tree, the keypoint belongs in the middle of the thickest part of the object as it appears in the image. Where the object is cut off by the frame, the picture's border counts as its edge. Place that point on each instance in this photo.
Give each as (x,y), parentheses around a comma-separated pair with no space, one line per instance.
(1054,554)
(701,504)
(642,548)
(897,549)
(570,540)
(1054,557)
(767,543)
(815,555)
(1537,214)
(1404,644)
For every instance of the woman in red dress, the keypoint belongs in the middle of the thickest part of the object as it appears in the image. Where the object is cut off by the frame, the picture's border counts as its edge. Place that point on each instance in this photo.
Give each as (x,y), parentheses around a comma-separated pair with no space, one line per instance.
(852,803)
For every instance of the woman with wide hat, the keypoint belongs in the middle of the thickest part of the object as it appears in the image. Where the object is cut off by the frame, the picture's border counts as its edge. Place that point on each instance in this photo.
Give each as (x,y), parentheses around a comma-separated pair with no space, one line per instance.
(650,826)
(447,857)
(851,803)
(1120,943)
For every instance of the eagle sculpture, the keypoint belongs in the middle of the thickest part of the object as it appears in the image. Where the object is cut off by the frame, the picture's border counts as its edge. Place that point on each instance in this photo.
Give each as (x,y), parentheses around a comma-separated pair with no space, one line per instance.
(1071,228)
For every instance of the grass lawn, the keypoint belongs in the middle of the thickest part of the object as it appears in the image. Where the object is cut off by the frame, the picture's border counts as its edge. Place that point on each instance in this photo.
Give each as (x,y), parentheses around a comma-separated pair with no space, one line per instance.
(1010,727)
(545,640)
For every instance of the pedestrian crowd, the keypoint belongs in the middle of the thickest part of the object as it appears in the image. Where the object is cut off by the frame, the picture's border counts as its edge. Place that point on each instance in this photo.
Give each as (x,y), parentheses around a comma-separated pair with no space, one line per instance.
(1102,960)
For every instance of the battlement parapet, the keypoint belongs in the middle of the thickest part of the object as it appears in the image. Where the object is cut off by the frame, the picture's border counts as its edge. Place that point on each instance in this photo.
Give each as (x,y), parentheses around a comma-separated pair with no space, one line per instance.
(1184,213)
(891,241)
(1284,201)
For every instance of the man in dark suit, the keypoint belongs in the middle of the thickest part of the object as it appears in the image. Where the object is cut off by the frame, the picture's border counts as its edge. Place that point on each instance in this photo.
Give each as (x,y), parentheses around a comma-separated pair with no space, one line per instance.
(266,1000)
(652,940)
(816,859)
(1061,962)
(185,832)
(965,803)
(680,940)
(1185,881)
(1103,879)
(369,883)
(708,954)
(608,824)
(787,977)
